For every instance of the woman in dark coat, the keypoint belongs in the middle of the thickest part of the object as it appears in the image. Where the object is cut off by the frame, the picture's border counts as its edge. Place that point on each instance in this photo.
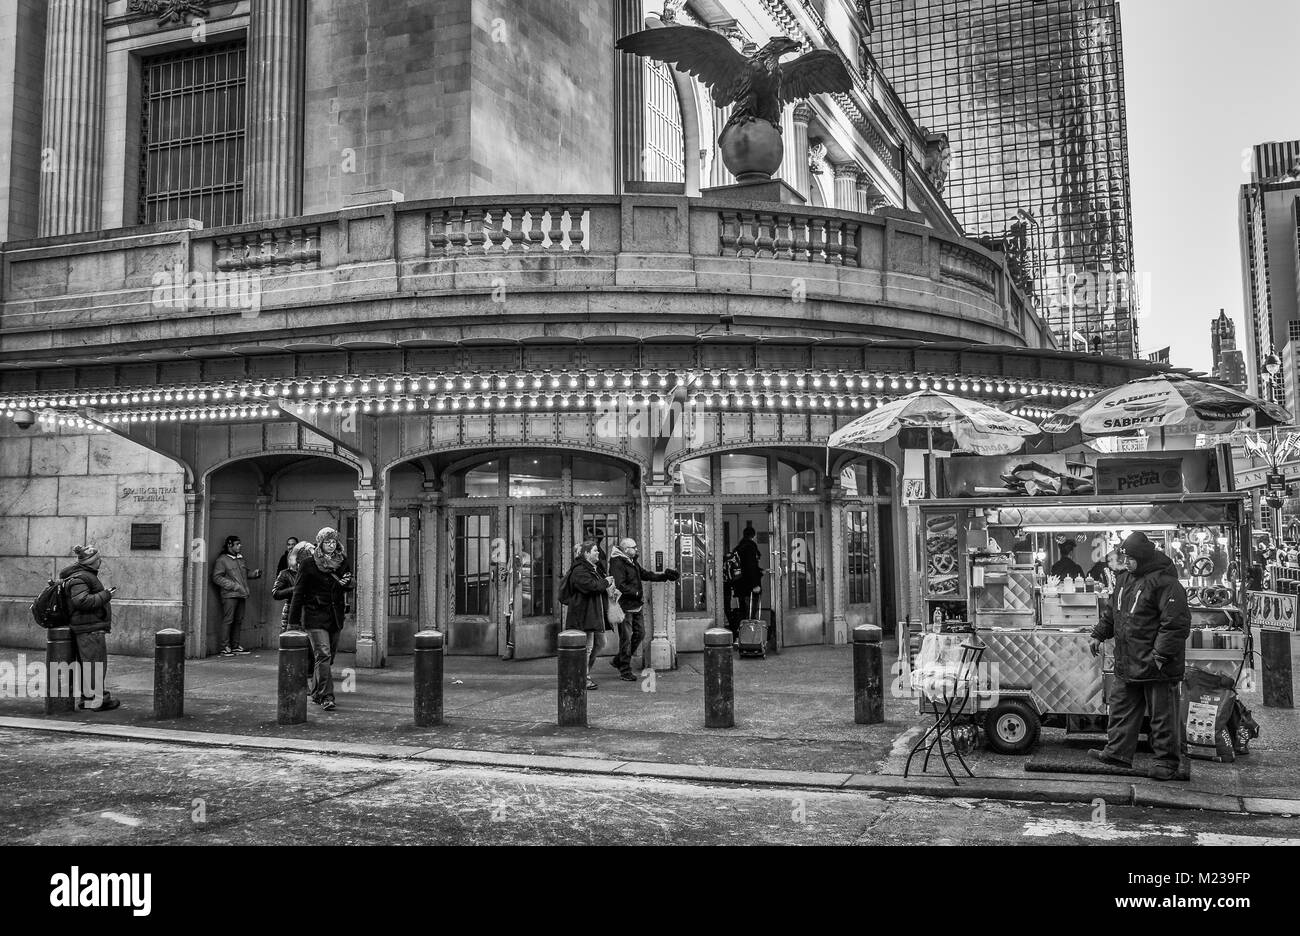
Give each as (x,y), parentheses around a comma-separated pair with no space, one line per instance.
(317,606)
(584,591)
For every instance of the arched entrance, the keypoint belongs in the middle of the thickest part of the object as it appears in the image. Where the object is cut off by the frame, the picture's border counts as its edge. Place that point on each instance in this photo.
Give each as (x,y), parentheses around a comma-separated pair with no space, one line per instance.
(819,544)
(264,500)
(500,529)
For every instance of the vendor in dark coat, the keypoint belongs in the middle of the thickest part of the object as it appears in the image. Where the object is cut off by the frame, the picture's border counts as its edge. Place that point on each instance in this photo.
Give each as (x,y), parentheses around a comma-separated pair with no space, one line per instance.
(91,619)
(1149,621)
(584,591)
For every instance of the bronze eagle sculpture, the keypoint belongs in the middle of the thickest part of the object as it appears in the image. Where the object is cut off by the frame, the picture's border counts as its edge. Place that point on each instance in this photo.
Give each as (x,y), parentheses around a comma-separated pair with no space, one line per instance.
(758,85)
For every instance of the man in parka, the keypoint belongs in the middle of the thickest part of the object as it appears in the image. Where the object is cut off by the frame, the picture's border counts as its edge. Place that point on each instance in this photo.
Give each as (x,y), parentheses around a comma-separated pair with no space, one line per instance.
(628,578)
(1149,621)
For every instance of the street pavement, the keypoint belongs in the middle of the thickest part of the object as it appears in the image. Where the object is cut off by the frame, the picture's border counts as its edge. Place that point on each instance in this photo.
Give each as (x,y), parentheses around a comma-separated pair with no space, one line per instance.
(77,790)
(794,727)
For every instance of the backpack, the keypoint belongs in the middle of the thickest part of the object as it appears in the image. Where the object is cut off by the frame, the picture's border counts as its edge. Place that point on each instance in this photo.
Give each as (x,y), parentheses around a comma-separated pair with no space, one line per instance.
(50,609)
(731,570)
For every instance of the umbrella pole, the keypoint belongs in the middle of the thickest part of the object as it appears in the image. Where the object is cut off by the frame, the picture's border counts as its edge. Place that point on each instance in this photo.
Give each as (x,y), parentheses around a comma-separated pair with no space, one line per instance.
(929,464)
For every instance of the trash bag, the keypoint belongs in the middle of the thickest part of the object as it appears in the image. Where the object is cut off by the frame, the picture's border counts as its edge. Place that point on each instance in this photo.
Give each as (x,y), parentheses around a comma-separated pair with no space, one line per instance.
(1243,728)
(1208,704)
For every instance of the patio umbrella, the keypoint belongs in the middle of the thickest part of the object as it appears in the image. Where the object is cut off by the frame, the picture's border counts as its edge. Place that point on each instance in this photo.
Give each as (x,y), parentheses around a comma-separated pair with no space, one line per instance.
(975,427)
(1165,401)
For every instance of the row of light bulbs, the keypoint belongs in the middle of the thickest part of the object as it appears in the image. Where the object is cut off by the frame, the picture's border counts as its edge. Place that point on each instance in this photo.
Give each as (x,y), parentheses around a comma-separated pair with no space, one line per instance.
(544,401)
(565,381)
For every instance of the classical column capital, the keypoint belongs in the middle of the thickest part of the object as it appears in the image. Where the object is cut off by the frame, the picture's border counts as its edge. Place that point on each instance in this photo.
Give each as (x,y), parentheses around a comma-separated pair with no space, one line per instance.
(847,170)
(803,112)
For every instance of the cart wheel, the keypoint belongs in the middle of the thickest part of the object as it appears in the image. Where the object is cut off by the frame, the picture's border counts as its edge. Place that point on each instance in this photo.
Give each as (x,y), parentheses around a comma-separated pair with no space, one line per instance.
(1012,726)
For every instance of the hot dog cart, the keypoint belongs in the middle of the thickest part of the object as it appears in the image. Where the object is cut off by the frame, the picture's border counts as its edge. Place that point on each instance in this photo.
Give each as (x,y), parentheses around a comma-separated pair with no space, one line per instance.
(1015,554)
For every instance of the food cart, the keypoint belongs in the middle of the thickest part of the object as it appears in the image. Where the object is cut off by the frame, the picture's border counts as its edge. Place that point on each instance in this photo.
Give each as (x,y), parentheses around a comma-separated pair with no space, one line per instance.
(1014,552)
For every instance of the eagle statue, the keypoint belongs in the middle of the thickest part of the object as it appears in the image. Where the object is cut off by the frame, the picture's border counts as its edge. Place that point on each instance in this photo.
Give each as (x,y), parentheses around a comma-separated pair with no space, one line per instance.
(759,85)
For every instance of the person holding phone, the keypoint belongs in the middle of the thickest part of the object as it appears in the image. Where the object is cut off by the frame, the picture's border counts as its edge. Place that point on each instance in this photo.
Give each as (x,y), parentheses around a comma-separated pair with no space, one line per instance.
(318,606)
(91,619)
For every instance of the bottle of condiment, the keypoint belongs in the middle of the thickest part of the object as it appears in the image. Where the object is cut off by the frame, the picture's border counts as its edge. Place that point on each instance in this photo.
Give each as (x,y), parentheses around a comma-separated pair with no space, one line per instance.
(1067,585)
(1078,584)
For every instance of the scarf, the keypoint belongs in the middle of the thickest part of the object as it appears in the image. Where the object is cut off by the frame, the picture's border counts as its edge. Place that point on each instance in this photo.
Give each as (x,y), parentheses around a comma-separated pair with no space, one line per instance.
(325,562)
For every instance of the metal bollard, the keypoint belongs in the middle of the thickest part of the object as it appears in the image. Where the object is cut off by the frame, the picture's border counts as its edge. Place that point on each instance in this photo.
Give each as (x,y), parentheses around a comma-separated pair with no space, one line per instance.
(1275,663)
(295,657)
(868,676)
(428,678)
(168,673)
(571,670)
(60,661)
(719,684)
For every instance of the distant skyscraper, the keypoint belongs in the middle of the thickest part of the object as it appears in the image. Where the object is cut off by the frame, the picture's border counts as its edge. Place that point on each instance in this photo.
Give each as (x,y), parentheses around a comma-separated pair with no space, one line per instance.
(1270,244)
(1031,95)
(1229,364)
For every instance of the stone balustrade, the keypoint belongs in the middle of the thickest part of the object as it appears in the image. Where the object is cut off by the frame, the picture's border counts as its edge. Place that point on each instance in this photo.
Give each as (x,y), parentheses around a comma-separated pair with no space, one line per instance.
(445,269)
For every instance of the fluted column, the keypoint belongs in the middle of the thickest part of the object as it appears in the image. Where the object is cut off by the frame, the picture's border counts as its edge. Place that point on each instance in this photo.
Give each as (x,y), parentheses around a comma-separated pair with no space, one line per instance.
(277,40)
(802,181)
(72,134)
(846,186)
(663,608)
(629,90)
(869,196)
(370,572)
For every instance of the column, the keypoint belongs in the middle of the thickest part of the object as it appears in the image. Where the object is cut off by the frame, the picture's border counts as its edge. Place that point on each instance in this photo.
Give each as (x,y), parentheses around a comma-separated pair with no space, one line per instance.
(869,196)
(629,96)
(798,144)
(72,134)
(266,620)
(371,571)
(839,591)
(790,158)
(277,41)
(846,186)
(658,536)
(430,542)
(195,595)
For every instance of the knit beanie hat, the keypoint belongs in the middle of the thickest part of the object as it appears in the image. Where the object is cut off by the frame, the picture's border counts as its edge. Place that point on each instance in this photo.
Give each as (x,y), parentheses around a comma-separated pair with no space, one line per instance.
(1138,548)
(88,556)
(328,533)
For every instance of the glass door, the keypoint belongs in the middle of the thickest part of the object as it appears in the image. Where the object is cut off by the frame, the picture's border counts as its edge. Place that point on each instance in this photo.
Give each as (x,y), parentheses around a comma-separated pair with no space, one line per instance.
(532,618)
(801,572)
(403,581)
(476,556)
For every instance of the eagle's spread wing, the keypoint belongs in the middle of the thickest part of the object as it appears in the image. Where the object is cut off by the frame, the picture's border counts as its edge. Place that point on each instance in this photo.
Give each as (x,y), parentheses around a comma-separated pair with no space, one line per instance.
(699,52)
(820,71)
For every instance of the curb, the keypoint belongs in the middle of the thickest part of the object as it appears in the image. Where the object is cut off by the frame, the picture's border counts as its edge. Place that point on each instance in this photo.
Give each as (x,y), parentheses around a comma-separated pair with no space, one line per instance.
(1043,791)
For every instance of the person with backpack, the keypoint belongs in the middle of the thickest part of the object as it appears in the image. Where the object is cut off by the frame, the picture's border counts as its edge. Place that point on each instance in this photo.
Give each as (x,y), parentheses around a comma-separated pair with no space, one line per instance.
(282,590)
(744,574)
(317,606)
(90,617)
(230,574)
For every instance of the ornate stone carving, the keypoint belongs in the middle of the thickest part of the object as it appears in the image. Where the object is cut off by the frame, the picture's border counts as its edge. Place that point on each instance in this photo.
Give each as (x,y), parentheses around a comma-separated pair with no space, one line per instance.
(816,157)
(169,11)
(938,158)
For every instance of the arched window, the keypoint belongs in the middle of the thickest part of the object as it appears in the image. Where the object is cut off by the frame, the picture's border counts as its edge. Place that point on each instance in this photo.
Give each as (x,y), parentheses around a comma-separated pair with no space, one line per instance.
(664,158)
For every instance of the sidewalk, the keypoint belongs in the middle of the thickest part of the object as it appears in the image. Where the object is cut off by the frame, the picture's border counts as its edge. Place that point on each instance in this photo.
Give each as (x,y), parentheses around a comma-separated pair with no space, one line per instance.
(794,726)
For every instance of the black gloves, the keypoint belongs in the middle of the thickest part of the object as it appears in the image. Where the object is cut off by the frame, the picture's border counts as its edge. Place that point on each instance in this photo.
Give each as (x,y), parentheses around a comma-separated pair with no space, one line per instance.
(672,575)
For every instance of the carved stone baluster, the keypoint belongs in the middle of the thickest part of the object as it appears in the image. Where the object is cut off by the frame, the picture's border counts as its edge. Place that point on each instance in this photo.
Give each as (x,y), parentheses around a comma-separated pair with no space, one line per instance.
(764,236)
(851,244)
(311,246)
(536,233)
(802,248)
(556,233)
(495,229)
(747,239)
(728,232)
(477,234)
(817,240)
(576,234)
(782,237)
(268,249)
(439,240)
(834,246)
(224,259)
(458,237)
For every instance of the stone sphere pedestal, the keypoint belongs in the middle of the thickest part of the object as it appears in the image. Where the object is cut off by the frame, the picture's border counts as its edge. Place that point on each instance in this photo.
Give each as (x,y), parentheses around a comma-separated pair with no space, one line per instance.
(751,150)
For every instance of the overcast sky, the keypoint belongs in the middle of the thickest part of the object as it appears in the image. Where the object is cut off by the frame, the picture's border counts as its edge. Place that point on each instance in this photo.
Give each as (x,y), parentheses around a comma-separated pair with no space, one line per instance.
(1206,79)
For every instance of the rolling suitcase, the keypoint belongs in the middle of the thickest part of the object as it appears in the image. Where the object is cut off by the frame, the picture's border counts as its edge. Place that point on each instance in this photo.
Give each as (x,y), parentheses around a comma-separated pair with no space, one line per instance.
(753,633)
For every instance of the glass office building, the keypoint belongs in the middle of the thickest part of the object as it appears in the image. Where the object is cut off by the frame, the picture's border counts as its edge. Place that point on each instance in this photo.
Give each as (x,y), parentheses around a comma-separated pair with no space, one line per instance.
(1031,95)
